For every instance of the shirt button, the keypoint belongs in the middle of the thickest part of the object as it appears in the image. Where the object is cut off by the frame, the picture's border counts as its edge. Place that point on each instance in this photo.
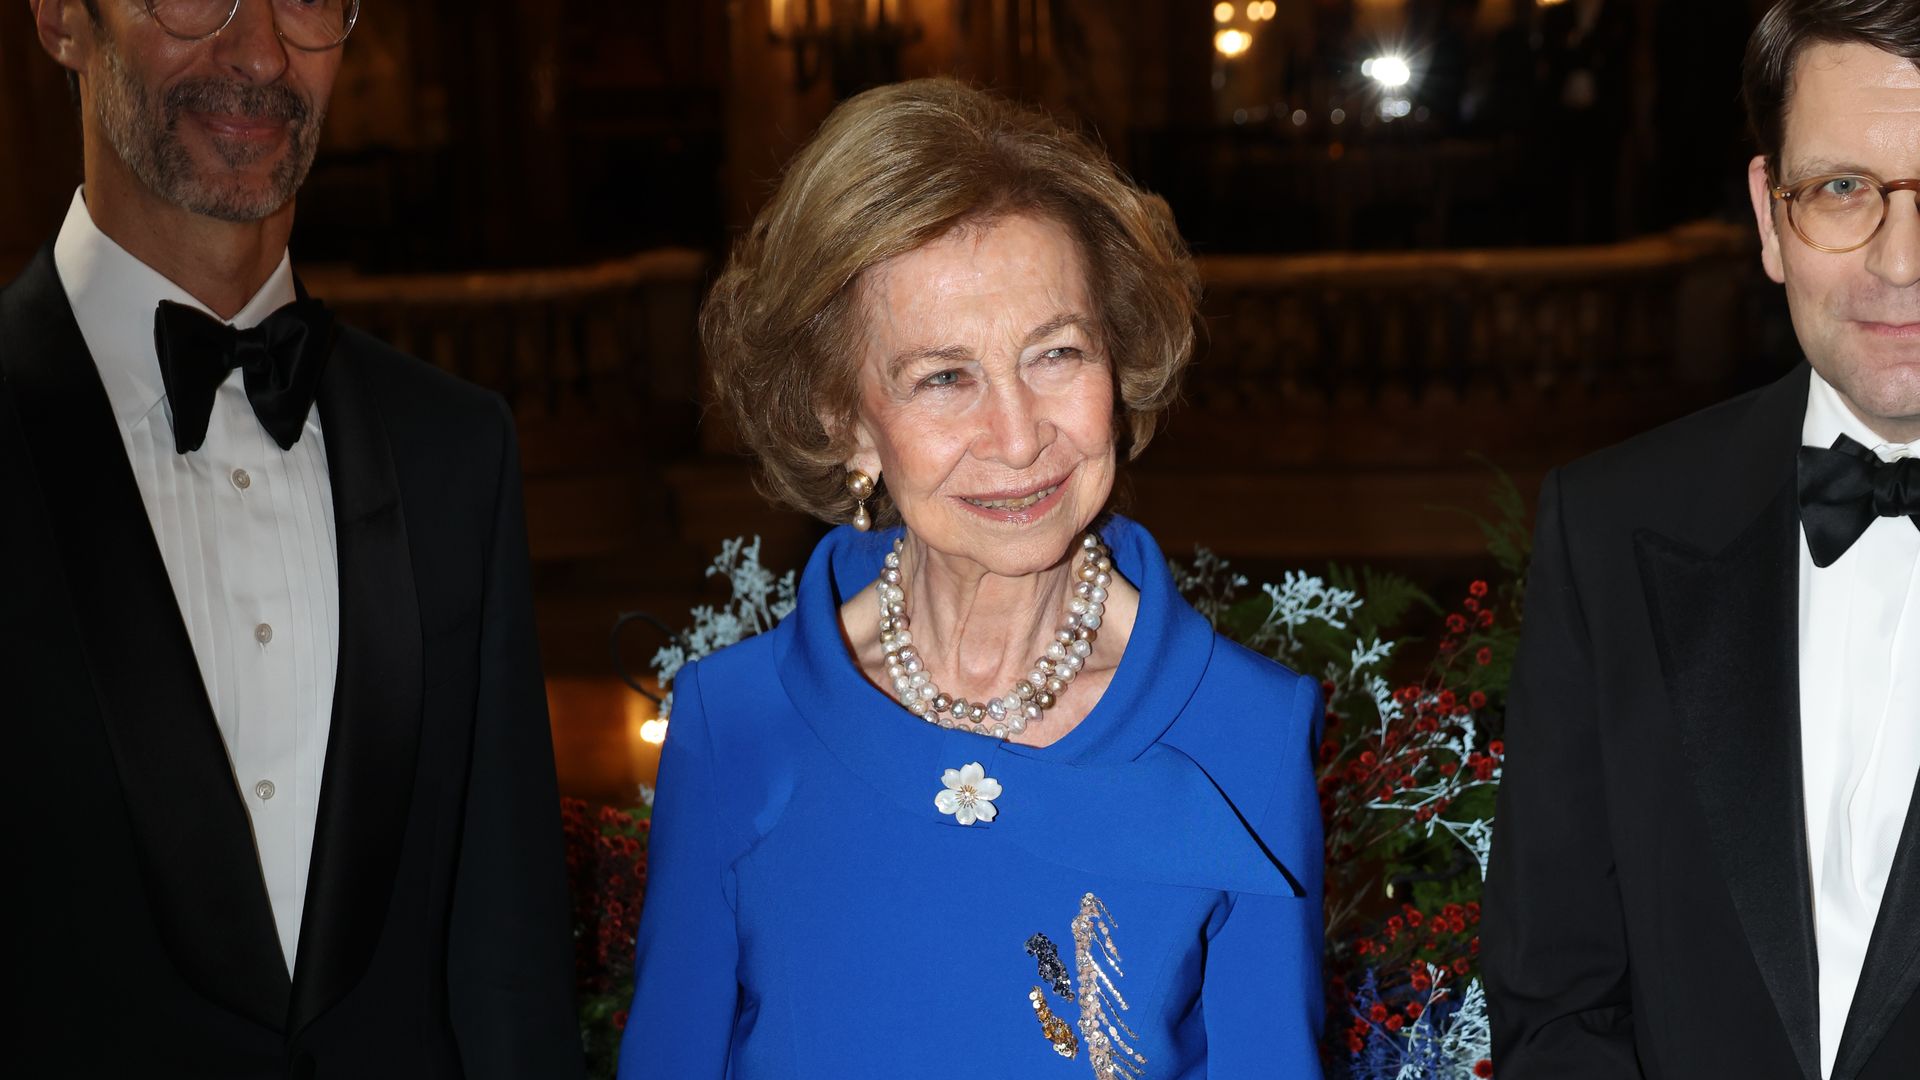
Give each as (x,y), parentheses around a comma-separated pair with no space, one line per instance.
(241,480)
(263,634)
(264,789)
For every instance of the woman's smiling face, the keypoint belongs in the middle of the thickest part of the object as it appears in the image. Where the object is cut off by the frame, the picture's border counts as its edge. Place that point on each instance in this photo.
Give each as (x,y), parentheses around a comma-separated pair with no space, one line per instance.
(986,399)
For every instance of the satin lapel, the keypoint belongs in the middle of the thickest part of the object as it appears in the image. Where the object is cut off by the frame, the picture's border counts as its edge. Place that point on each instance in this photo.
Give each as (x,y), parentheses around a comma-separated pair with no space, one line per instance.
(1726,629)
(1891,973)
(375,738)
(198,863)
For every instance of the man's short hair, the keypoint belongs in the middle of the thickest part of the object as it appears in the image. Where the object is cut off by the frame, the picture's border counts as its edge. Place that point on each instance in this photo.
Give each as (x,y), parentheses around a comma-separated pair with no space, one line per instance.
(1791,26)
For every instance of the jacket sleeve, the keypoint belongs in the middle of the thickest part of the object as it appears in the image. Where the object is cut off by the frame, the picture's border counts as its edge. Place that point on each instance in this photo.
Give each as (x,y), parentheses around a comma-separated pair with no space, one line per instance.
(509,957)
(686,991)
(1555,947)
(1262,998)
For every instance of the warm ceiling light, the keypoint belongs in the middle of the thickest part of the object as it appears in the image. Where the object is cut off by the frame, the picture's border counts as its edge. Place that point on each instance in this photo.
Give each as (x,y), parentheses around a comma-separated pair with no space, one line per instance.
(1223,12)
(1232,43)
(1389,71)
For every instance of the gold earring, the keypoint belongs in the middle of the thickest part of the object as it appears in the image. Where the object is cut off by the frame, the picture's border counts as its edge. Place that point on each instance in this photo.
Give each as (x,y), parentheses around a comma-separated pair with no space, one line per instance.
(860,486)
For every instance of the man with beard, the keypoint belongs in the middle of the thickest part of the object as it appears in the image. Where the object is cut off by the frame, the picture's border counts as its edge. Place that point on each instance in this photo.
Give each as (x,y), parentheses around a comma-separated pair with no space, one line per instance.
(280,796)
(1707,862)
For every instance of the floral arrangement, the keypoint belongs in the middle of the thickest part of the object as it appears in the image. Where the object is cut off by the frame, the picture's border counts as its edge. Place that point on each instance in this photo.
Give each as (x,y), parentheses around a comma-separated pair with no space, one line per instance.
(1408,766)
(607,845)
(758,600)
(606,876)
(1409,763)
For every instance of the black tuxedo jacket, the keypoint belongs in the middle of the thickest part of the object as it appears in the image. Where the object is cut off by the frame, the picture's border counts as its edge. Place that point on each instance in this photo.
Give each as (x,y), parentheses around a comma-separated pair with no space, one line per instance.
(1649,909)
(139,940)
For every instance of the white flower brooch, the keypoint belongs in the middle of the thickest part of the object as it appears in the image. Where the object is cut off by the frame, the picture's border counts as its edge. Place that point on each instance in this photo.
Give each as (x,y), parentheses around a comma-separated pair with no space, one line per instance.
(969,794)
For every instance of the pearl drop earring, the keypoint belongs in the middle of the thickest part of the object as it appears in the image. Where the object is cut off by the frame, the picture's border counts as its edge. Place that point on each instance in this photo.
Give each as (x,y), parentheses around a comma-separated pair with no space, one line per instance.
(860,486)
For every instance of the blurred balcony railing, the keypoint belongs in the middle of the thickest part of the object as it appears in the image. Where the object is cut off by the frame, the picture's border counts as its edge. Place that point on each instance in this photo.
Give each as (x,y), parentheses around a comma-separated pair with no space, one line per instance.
(1532,354)
(1288,338)
(600,364)
(612,337)
(1334,396)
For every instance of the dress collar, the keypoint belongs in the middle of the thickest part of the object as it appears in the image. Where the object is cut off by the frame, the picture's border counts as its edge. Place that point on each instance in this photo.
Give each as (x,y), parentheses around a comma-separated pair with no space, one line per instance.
(1112,769)
(113,296)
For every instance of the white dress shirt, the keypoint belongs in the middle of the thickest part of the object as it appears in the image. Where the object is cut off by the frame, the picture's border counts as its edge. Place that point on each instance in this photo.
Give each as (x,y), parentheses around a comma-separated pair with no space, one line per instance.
(1859,719)
(246,531)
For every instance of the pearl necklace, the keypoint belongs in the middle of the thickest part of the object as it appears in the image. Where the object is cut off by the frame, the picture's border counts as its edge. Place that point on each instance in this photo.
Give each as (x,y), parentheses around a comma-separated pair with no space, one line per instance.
(1032,696)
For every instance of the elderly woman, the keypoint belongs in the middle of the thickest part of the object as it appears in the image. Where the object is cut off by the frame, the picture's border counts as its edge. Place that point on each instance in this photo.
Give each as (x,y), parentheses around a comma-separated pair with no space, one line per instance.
(993,802)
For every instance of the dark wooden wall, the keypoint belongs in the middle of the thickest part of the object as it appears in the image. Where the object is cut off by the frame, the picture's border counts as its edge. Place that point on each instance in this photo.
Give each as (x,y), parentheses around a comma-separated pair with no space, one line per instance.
(39,143)
(513,133)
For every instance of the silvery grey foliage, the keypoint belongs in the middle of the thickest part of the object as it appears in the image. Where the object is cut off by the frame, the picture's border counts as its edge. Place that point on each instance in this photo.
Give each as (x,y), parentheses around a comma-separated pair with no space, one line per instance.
(1208,583)
(1446,1044)
(759,601)
(1212,586)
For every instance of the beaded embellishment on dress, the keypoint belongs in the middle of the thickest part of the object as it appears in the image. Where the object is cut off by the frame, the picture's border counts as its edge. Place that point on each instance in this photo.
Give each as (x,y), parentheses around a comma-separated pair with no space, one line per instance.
(1106,1035)
(1108,1039)
(1042,949)
(1052,1027)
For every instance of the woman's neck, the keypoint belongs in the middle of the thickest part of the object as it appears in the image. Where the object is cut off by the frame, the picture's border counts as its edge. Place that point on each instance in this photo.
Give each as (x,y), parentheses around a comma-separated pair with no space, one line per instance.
(980,631)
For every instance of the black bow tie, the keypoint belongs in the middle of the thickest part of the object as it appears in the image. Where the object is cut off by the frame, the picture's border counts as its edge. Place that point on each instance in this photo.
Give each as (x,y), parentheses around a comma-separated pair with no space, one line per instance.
(1843,489)
(282,357)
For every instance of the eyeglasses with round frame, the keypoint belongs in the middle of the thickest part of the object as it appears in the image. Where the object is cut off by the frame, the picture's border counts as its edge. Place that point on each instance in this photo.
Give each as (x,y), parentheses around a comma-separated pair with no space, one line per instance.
(197,20)
(1798,195)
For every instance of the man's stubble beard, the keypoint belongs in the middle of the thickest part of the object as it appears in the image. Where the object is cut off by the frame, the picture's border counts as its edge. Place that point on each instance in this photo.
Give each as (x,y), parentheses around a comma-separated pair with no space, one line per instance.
(1884,397)
(147,139)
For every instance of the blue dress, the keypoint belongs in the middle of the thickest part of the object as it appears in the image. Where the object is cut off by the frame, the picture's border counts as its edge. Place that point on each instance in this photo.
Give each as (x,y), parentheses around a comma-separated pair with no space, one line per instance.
(811,914)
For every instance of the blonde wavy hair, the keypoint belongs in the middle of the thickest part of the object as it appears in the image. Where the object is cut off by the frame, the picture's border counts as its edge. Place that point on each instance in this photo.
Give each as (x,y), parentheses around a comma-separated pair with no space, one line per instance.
(890,171)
